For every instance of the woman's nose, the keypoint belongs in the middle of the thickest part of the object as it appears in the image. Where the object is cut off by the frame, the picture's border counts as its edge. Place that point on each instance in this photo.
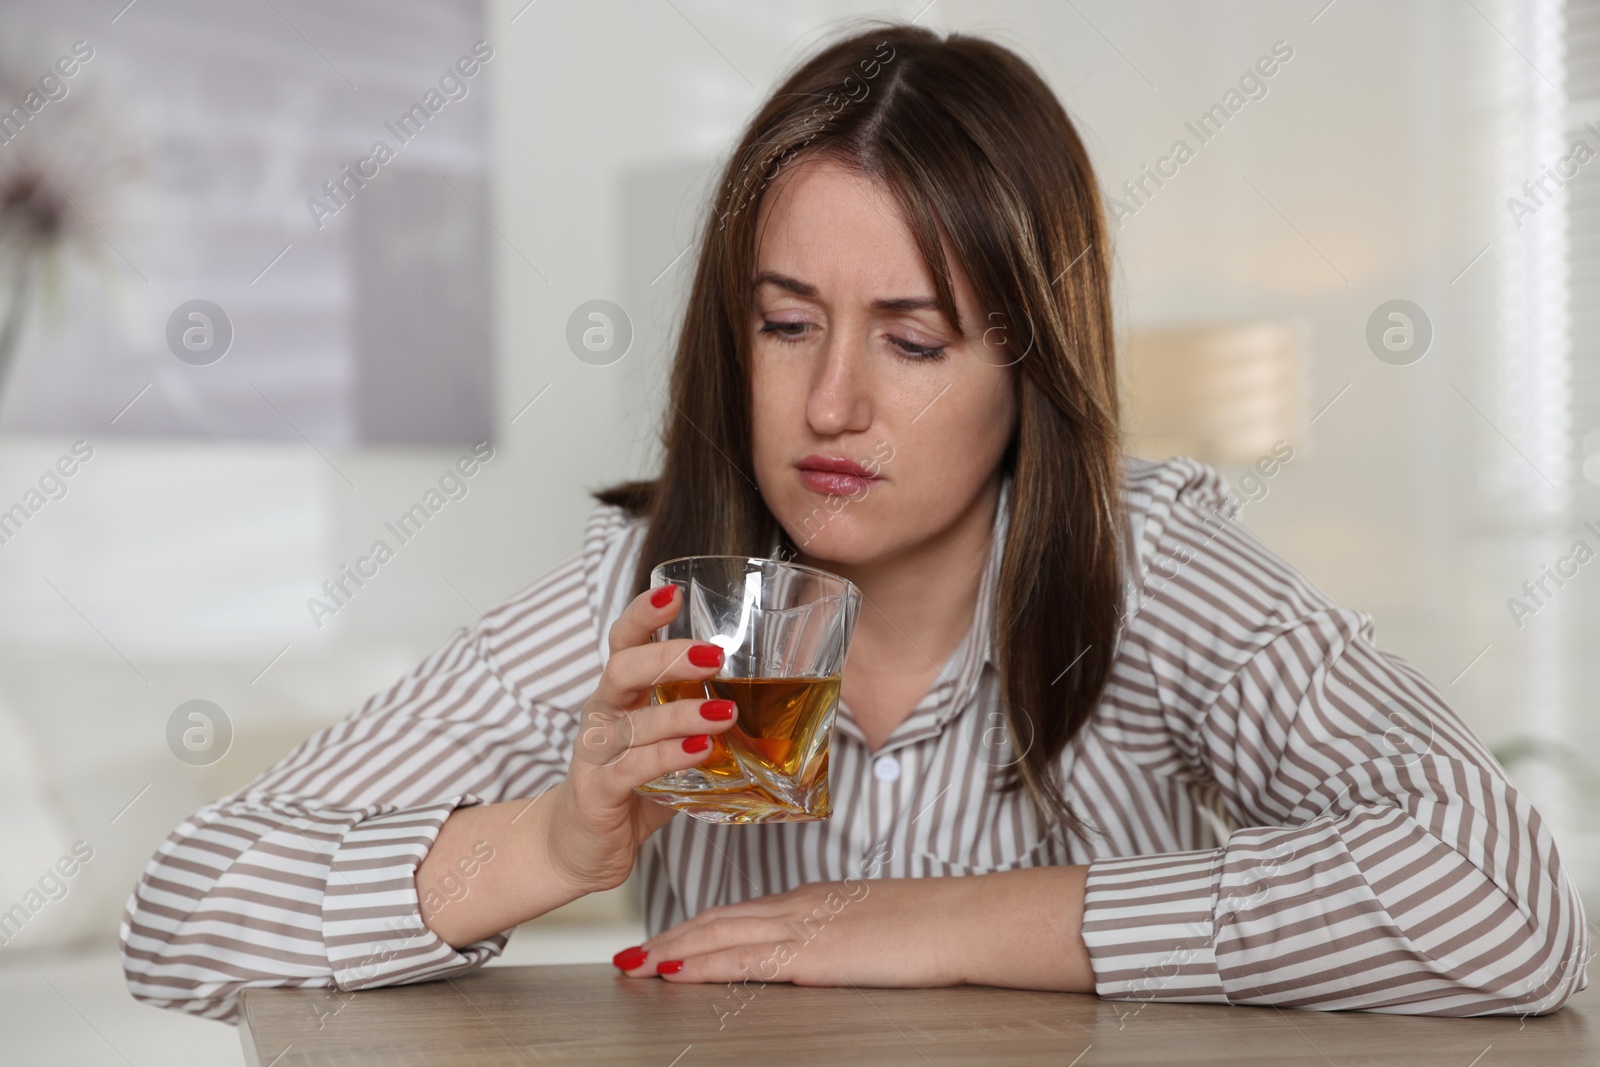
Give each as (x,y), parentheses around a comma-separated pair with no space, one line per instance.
(839,402)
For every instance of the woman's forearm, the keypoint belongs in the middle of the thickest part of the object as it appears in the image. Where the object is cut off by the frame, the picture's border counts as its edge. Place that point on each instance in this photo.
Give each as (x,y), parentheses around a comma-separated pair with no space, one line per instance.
(1022,929)
(489,870)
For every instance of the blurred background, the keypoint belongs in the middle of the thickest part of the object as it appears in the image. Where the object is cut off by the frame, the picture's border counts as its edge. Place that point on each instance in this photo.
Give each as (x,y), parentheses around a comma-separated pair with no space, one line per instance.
(237,338)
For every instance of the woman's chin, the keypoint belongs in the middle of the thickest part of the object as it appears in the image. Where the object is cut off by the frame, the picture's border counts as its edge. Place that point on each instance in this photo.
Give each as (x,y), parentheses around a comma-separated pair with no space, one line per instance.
(838,547)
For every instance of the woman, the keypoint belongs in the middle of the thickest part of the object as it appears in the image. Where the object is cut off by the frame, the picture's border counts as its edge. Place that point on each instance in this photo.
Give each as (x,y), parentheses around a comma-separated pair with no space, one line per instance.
(1093,735)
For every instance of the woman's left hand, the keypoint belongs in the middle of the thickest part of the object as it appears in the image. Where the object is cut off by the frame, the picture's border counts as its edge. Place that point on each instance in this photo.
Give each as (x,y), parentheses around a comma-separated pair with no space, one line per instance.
(872,932)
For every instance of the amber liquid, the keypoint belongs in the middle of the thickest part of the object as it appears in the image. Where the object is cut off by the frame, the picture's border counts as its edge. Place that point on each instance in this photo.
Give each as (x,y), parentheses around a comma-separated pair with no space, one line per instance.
(780,721)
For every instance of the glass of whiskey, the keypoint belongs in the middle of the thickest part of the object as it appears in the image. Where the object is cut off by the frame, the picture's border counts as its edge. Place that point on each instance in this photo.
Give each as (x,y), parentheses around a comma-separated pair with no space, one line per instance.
(784,630)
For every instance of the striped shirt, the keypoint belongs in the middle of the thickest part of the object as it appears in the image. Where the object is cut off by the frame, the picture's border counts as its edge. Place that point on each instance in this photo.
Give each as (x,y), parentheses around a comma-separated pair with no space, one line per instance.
(1281,812)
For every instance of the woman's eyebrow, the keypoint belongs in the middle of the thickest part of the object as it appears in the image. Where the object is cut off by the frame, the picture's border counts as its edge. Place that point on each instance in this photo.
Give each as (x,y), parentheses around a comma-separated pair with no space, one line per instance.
(800,288)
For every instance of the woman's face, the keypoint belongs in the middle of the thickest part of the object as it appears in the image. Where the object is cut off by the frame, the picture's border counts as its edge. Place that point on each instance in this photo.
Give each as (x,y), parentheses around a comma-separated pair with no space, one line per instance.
(852,361)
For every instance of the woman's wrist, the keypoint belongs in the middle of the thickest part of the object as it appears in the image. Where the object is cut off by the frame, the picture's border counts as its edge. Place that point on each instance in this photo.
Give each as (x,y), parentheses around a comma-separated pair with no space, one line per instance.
(1021,929)
(570,854)
(490,870)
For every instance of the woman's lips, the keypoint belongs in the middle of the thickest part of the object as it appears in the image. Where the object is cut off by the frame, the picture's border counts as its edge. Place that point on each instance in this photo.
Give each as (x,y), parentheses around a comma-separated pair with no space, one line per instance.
(835,475)
(832,483)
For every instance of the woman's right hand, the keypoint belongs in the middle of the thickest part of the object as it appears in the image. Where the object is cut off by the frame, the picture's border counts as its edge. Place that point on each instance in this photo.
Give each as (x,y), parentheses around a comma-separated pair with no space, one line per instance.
(598,822)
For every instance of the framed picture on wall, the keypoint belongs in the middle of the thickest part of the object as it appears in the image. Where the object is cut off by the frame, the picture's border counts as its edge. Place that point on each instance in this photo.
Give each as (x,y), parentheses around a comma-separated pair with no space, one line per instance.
(257,221)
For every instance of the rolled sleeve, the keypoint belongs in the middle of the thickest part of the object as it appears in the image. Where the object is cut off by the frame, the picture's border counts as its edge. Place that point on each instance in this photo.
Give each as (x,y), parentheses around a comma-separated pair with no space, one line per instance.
(1149,926)
(372,920)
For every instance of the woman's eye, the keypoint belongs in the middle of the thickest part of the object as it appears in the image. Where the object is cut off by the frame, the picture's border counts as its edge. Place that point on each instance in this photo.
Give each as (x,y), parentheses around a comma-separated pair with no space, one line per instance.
(785,331)
(919,352)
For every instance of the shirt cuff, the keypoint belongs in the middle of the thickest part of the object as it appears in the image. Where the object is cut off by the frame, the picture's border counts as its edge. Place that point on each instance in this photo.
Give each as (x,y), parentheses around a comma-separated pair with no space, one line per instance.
(1148,925)
(371,919)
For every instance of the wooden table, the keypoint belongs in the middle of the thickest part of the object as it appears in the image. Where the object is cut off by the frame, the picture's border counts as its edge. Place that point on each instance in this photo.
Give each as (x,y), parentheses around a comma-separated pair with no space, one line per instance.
(518,1016)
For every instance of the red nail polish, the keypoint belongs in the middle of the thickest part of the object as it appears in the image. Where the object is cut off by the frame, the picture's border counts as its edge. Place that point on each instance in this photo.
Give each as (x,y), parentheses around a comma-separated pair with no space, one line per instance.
(663,596)
(669,966)
(697,743)
(629,958)
(705,656)
(717,710)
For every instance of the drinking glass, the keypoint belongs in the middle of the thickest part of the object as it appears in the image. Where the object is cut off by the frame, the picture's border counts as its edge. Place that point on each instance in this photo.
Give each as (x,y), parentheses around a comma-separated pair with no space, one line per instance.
(783,629)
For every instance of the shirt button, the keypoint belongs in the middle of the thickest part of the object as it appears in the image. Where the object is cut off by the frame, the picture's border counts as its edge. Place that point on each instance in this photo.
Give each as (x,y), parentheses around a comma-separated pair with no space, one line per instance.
(886,768)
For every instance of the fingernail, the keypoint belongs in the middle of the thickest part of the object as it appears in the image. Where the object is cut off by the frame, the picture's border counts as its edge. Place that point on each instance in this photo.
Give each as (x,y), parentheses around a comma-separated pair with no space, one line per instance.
(629,958)
(669,966)
(705,656)
(663,596)
(697,743)
(717,710)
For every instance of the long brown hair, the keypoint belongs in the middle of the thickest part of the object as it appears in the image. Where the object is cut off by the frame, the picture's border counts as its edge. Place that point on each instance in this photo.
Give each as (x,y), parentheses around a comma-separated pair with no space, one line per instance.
(972,143)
